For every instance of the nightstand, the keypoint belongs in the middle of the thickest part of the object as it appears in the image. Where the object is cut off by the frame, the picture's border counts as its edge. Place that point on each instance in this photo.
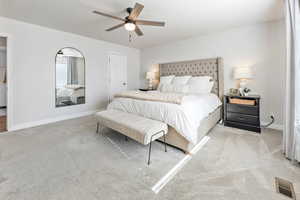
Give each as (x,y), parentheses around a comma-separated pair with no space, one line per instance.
(239,115)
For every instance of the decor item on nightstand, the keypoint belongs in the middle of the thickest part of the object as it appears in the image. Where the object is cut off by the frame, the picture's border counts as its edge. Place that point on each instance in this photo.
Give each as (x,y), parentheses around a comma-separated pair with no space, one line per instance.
(234,92)
(246,91)
(150,76)
(242,112)
(243,74)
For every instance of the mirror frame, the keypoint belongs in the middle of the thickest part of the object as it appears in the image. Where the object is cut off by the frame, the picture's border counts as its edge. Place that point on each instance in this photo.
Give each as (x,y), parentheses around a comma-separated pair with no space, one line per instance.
(83,75)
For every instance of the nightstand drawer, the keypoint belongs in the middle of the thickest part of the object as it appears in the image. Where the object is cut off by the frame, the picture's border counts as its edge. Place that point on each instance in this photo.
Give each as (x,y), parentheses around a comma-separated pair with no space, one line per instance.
(244,109)
(247,119)
(242,126)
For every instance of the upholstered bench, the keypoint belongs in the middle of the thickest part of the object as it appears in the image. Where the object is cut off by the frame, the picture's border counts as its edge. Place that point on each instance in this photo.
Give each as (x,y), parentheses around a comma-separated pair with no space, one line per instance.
(140,129)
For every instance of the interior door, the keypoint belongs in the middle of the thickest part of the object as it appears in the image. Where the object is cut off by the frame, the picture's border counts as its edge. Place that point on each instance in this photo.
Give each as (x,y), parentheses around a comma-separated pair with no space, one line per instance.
(118,74)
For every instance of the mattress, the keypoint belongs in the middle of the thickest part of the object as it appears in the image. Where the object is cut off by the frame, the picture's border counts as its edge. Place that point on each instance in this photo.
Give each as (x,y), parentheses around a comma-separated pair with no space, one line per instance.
(185,118)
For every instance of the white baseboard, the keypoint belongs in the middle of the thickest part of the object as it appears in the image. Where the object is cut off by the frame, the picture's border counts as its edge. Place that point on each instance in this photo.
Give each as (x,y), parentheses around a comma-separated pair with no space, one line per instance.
(51,120)
(274,126)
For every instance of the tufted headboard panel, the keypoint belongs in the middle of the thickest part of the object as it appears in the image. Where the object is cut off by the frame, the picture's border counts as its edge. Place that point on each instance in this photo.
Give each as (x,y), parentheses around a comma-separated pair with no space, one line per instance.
(205,67)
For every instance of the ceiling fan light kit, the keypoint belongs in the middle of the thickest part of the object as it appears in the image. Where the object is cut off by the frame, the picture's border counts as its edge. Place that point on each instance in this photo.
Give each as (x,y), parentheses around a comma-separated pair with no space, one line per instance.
(131,22)
(129,26)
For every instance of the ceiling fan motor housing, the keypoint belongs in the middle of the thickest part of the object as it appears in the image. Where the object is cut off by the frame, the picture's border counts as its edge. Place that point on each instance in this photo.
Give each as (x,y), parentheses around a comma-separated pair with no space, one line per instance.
(129,10)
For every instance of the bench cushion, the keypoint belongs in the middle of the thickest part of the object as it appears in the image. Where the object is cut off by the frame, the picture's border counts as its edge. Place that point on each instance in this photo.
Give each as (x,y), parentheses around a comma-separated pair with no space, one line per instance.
(136,127)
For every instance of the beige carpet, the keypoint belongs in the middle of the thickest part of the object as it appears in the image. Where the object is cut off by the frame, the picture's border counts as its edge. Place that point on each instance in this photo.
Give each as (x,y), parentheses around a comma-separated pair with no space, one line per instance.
(235,164)
(67,160)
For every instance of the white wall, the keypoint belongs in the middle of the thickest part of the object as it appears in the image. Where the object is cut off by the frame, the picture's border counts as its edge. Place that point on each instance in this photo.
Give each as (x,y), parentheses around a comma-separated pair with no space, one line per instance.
(260,46)
(31,58)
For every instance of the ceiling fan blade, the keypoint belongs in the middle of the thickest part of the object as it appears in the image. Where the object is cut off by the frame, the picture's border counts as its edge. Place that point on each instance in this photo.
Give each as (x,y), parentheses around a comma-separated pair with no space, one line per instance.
(115,27)
(108,15)
(138,31)
(136,11)
(149,23)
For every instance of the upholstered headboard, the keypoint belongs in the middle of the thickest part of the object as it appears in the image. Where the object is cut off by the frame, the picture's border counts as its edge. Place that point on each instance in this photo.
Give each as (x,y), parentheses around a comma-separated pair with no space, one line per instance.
(205,67)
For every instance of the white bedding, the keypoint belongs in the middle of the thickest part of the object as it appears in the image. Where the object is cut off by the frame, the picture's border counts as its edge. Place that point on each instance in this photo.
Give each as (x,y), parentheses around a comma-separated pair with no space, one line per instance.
(184,118)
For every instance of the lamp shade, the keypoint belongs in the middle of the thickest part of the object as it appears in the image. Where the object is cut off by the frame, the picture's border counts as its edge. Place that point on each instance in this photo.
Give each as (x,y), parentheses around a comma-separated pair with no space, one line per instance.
(243,73)
(150,75)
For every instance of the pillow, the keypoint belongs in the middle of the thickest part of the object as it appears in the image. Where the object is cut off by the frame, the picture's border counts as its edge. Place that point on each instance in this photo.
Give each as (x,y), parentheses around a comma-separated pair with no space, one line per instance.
(199,80)
(181,88)
(165,80)
(74,86)
(181,80)
(201,88)
(167,88)
(175,88)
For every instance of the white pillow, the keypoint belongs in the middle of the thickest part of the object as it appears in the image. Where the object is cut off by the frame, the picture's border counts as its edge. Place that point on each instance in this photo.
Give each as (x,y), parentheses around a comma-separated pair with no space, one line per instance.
(199,80)
(167,88)
(181,80)
(175,88)
(201,88)
(181,88)
(165,80)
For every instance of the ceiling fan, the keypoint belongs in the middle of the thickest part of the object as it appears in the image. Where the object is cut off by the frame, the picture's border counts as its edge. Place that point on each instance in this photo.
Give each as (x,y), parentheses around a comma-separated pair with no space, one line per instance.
(131,22)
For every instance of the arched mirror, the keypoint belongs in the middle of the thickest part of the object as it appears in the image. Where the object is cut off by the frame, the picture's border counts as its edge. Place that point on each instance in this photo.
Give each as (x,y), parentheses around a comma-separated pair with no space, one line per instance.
(70,77)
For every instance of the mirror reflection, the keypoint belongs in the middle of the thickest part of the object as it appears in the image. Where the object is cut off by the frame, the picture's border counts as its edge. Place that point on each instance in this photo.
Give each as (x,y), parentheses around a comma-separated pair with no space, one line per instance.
(70,77)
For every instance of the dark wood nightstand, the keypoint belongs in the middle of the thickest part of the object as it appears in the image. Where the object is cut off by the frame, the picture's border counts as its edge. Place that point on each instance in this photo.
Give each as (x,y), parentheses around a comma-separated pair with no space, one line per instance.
(242,116)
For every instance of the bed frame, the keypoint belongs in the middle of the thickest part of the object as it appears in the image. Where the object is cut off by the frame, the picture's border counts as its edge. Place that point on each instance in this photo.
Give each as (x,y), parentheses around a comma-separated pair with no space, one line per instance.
(205,67)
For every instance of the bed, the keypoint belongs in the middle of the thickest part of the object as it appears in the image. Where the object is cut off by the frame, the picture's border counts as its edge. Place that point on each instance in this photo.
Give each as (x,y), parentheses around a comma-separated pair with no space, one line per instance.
(191,119)
(70,95)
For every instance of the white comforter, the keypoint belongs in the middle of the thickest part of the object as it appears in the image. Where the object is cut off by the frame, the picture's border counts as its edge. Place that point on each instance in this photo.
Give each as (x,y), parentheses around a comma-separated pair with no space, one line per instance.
(184,118)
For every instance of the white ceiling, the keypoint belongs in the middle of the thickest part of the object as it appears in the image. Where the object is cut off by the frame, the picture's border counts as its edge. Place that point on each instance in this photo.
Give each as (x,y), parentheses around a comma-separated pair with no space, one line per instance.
(184,18)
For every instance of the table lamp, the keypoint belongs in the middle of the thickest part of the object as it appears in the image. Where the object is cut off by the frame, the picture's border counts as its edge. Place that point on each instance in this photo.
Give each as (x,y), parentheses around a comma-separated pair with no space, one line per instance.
(150,76)
(243,74)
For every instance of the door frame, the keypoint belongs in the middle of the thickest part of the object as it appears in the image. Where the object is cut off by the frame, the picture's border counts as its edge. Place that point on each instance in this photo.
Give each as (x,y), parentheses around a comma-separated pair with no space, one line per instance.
(9,82)
(109,72)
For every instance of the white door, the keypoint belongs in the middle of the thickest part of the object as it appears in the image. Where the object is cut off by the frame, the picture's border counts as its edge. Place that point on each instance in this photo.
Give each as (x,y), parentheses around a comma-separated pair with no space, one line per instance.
(118,74)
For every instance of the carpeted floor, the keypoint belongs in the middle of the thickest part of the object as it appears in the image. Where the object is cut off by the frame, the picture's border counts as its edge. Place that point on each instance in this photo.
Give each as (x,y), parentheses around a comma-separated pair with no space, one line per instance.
(235,164)
(68,160)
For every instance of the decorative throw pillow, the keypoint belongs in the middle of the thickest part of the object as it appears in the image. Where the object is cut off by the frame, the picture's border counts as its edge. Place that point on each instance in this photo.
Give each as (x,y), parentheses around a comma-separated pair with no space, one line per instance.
(199,80)
(167,88)
(181,88)
(165,80)
(204,88)
(181,80)
(171,88)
